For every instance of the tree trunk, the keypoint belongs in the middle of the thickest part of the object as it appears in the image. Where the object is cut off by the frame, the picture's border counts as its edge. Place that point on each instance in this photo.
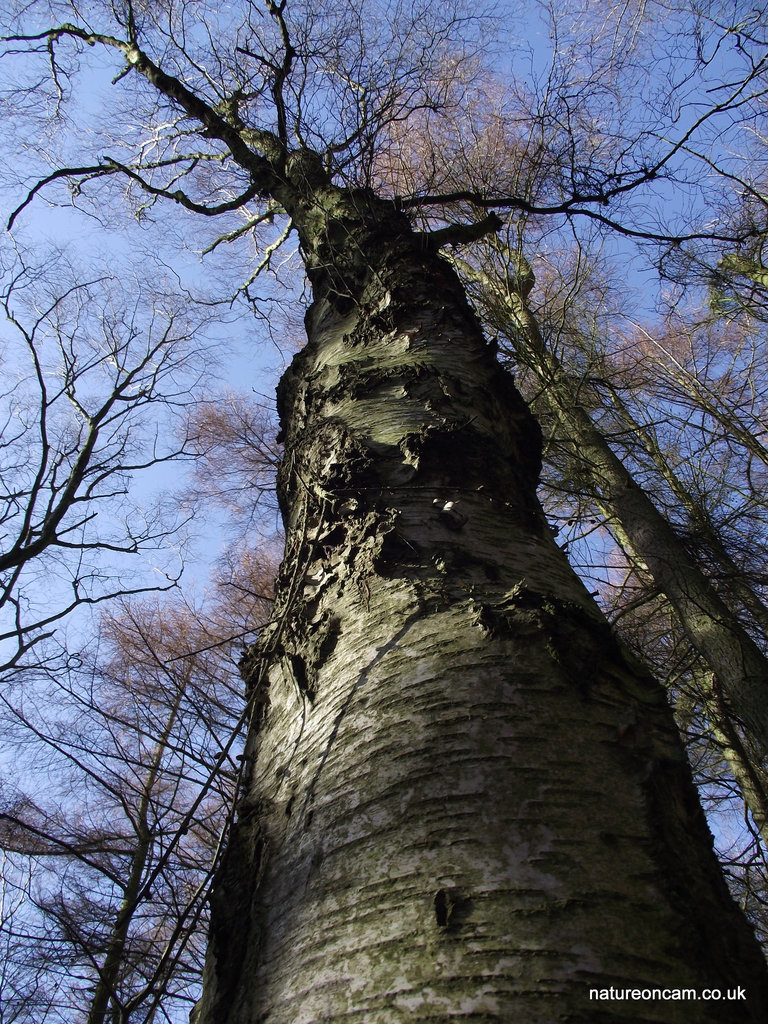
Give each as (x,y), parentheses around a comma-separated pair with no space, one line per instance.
(738,590)
(716,633)
(105,990)
(462,798)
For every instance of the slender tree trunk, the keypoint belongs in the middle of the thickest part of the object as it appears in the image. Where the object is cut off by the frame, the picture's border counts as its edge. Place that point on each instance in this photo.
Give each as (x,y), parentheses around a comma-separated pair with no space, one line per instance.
(110,971)
(751,778)
(463,799)
(717,634)
(737,586)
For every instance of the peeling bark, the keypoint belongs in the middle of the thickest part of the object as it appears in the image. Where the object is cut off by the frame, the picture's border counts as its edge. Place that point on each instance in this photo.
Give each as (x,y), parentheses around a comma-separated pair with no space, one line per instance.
(463,799)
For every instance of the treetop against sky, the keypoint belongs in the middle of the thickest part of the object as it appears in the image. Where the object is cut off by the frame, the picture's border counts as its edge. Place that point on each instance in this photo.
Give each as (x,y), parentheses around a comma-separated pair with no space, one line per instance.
(635,121)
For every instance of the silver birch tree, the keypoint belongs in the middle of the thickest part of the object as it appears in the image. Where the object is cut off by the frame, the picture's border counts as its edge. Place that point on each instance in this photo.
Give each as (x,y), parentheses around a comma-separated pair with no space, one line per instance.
(461,796)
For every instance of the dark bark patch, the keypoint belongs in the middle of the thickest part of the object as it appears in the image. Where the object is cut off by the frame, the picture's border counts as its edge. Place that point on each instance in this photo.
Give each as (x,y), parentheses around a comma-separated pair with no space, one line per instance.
(458,455)
(233,934)
(329,638)
(700,896)
(490,621)
(306,646)
(451,909)
(527,431)
(396,555)
(298,667)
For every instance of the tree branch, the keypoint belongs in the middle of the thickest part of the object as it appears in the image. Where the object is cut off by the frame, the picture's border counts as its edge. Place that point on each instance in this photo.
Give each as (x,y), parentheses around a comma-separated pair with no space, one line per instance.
(461,234)
(180,197)
(95,171)
(263,173)
(568,208)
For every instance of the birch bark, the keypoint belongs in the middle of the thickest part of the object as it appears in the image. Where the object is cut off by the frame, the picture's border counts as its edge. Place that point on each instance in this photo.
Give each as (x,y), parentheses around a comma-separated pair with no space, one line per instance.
(462,798)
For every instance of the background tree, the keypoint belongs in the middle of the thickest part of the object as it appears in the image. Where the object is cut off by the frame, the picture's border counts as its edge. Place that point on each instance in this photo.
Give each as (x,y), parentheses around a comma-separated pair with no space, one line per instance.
(139,749)
(97,375)
(124,774)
